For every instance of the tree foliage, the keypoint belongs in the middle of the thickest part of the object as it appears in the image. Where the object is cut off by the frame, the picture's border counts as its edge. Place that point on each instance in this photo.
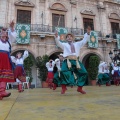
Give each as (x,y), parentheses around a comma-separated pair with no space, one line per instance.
(93,67)
(41,65)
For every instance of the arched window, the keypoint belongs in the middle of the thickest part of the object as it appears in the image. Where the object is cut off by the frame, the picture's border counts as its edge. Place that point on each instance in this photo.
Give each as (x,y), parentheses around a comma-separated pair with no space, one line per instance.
(58,7)
(58,14)
(23,16)
(58,20)
(23,11)
(88,18)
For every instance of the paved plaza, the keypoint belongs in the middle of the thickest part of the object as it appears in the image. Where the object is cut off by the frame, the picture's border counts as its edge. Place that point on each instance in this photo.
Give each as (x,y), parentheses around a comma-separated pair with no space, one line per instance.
(100,103)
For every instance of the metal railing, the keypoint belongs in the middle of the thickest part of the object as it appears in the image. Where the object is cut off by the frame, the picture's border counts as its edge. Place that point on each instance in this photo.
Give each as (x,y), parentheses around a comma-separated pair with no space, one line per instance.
(41,28)
(113,35)
(76,31)
(99,34)
(47,28)
(51,29)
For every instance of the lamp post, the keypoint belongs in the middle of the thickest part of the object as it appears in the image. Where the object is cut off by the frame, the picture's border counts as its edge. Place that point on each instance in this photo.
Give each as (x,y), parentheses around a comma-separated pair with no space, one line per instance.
(116,57)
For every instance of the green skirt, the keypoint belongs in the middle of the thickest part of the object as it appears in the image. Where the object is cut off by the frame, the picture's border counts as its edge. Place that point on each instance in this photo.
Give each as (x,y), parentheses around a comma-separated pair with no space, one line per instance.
(56,78)
(103,78)
(67,76)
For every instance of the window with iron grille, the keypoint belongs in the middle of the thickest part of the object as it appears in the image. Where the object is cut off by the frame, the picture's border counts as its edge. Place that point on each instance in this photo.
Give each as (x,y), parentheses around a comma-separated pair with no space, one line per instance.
(115,28)
(88,22)
(58,20)
(24,16)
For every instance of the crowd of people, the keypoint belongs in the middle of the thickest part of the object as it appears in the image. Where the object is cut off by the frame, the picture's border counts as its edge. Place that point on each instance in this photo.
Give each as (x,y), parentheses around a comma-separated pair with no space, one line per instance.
(108,73)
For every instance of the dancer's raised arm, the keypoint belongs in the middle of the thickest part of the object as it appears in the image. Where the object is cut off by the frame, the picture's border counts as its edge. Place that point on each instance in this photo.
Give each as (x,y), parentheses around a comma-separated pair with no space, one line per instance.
(57,40)
(12,33)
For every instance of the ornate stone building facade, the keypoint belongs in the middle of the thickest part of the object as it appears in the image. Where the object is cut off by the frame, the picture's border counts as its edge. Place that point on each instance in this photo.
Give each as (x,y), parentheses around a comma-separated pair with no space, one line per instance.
(43,15)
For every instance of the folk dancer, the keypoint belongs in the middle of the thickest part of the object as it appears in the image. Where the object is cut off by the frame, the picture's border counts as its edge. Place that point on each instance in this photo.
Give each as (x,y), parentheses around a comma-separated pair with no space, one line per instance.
(103,77)
(56,71)
(115,74)
(6,68)
(72,70)
(19,71)
(50,75)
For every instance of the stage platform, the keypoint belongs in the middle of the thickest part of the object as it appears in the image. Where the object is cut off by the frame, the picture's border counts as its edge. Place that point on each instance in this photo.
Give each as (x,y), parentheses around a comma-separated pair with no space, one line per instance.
(100,103)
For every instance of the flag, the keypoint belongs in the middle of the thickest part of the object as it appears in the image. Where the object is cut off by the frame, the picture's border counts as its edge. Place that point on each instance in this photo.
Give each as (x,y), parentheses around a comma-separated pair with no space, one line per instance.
(93,42)
(23,33)
(61,31)
(118,40)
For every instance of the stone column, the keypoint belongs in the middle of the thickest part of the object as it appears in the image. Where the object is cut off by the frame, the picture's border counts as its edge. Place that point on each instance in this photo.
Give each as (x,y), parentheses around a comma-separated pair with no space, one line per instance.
(3,12)
(74,15)
(102,17)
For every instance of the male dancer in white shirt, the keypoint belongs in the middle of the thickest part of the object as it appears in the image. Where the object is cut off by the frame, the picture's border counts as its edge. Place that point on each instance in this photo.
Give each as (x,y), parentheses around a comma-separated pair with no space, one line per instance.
(72,71)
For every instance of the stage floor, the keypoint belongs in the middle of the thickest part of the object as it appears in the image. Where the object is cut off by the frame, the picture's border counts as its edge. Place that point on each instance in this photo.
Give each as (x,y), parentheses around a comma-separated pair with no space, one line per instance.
(100,103)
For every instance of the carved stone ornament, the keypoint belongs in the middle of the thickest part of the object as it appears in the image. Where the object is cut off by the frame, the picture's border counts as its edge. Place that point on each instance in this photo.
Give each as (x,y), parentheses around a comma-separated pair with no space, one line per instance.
(24,3)
(87,12)
(114,16)
(58,6)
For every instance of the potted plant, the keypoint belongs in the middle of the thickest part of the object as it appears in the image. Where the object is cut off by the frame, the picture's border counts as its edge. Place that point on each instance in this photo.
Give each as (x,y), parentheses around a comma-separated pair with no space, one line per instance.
(42,70)
(93,69)
(28,63)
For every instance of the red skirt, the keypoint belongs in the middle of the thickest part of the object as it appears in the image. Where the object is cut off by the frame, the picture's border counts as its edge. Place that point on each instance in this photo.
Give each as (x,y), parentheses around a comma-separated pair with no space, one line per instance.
(6,72)
(20,73)
(50,76)
(116,73)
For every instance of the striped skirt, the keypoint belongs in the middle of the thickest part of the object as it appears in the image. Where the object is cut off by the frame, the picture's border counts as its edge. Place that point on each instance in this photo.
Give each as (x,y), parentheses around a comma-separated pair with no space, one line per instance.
(6,72)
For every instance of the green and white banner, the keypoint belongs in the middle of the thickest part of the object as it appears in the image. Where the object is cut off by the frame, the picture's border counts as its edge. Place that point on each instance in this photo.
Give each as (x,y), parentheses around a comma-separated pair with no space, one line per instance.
(93,42)
(62,32)
(118,40)
(23,33)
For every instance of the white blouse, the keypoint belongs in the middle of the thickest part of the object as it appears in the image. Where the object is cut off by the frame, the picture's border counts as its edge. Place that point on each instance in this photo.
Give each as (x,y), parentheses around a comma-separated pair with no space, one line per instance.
(4,46)
(115,68)
(106,69)
(67,49)
(21,60)
(101,67)
(50,68)
(12,38)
